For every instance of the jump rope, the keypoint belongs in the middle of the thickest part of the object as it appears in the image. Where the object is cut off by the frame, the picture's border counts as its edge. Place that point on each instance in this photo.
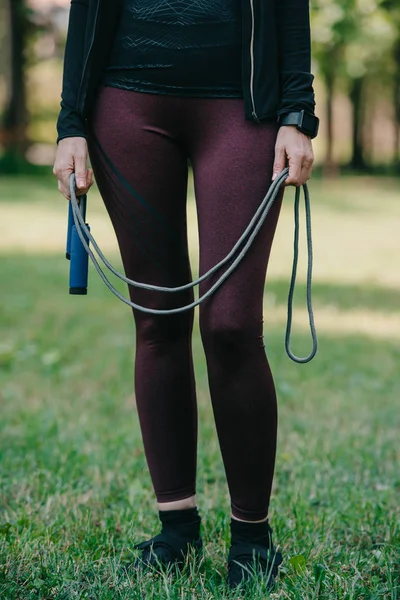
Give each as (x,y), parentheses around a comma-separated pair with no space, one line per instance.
(78,252)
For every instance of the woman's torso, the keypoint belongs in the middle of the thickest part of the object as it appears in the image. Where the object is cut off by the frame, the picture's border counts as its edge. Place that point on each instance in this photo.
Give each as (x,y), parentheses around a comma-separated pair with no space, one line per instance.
(180,47)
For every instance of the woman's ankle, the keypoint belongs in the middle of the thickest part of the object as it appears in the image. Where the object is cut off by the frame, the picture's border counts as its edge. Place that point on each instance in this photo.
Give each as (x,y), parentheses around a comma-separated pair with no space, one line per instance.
(178,504)
(243,521)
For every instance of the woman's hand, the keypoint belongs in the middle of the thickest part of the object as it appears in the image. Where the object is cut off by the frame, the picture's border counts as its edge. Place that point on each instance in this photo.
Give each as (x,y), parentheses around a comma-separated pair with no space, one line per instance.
(71,157)
(294,147)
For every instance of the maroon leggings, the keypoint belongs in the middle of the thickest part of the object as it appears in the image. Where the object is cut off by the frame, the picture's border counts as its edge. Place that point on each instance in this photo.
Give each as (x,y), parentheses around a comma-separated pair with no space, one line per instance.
(140,145)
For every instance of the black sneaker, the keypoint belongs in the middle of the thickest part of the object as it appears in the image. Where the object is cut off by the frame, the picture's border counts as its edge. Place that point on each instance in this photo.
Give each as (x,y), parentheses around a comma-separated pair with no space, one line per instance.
(180,532)
(164,550)
(248,560)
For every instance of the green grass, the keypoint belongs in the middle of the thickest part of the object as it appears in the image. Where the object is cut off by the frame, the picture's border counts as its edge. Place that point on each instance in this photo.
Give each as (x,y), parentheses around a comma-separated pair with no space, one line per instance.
(75,493)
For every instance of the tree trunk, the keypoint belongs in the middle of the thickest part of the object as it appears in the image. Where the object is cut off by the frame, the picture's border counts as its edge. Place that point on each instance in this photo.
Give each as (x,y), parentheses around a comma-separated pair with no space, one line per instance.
(356,96)
(329,82)
(15,118)
(330,166)
(396,157)
(396,102)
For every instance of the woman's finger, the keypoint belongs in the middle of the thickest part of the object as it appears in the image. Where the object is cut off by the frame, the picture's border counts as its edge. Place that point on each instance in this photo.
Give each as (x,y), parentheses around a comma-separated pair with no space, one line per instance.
(81,171)
(306,168)
(295,168)
(89,183)
(63,189)
(279,161)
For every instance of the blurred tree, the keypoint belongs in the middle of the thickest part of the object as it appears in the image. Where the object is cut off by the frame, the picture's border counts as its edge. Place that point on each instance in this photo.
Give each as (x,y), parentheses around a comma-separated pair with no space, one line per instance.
(396,98)
(366,59)
(333,26)
(14,122)
(393,9)
(352,39)
(15,117)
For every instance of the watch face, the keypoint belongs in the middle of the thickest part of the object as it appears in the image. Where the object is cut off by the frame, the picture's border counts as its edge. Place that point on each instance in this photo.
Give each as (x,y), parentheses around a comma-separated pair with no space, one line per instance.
(309,124)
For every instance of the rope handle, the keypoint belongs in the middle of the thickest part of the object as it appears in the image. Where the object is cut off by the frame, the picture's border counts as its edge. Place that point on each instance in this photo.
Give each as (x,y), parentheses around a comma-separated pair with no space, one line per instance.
(260,214)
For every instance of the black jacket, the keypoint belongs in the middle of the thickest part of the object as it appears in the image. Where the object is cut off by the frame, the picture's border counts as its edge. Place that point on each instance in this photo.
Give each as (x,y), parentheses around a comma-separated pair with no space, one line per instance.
(276,59)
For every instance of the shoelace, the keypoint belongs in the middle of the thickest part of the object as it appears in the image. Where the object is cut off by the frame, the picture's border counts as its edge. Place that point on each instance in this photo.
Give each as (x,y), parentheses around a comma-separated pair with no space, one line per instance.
(251,231)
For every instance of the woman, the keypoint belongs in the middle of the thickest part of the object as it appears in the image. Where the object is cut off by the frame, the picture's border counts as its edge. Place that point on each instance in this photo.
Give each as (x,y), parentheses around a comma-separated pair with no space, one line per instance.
(150,86)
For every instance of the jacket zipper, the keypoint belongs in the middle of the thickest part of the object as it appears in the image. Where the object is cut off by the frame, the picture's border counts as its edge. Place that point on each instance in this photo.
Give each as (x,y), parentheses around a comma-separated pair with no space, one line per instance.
(88,53)
(254,113)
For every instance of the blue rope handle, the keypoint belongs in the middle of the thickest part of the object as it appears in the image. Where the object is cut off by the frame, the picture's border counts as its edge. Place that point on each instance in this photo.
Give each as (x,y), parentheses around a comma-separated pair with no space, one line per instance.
(260,214)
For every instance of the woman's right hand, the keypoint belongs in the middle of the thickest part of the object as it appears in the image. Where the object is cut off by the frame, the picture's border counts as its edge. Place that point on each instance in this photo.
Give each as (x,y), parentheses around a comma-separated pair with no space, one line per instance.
(71,157)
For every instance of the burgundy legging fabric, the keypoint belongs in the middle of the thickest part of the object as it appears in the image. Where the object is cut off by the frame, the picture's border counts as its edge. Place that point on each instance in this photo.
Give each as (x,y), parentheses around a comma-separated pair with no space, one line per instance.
(139,146)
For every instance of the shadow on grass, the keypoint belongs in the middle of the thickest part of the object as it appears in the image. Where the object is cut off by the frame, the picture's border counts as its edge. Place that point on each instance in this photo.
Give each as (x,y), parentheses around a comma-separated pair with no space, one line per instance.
(341,296)
(19,188)
(20,275)
(353,193)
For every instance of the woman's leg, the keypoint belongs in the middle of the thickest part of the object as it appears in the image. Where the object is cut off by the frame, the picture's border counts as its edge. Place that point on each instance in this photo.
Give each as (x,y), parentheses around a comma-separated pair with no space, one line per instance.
(232,162)
(141,173)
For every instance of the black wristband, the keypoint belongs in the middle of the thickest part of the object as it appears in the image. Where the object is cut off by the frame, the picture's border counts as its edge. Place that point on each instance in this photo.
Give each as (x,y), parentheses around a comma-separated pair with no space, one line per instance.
(305,122)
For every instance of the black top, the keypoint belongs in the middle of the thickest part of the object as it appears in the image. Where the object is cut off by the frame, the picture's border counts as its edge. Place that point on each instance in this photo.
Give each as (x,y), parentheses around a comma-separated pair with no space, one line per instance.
(178,47)
(276,59)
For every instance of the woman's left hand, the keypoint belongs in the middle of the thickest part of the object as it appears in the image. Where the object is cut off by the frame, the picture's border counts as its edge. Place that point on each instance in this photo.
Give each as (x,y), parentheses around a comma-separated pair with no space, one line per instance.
(295,148)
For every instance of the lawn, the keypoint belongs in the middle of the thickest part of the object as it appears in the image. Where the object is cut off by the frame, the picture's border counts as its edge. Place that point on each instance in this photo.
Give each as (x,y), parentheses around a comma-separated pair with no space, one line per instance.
(75,493)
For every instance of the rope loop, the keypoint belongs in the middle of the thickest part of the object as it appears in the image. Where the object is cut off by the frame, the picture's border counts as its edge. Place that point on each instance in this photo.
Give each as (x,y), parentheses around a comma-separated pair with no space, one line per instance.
(250,232)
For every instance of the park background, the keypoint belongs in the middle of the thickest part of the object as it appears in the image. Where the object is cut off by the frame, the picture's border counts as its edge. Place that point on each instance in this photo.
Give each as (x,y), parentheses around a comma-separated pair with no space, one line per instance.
(75,493)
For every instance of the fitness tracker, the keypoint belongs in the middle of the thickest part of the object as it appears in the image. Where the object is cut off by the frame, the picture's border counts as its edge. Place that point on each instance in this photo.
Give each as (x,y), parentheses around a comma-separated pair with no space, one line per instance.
(305,122)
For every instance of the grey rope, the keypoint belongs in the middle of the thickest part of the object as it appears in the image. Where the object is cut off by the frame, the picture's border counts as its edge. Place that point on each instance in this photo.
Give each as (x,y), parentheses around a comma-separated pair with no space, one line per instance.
(313,352)
(260,215)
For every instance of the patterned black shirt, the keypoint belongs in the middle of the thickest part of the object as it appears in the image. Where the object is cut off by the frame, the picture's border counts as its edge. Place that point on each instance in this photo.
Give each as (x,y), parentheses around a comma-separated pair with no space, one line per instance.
(178,47)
